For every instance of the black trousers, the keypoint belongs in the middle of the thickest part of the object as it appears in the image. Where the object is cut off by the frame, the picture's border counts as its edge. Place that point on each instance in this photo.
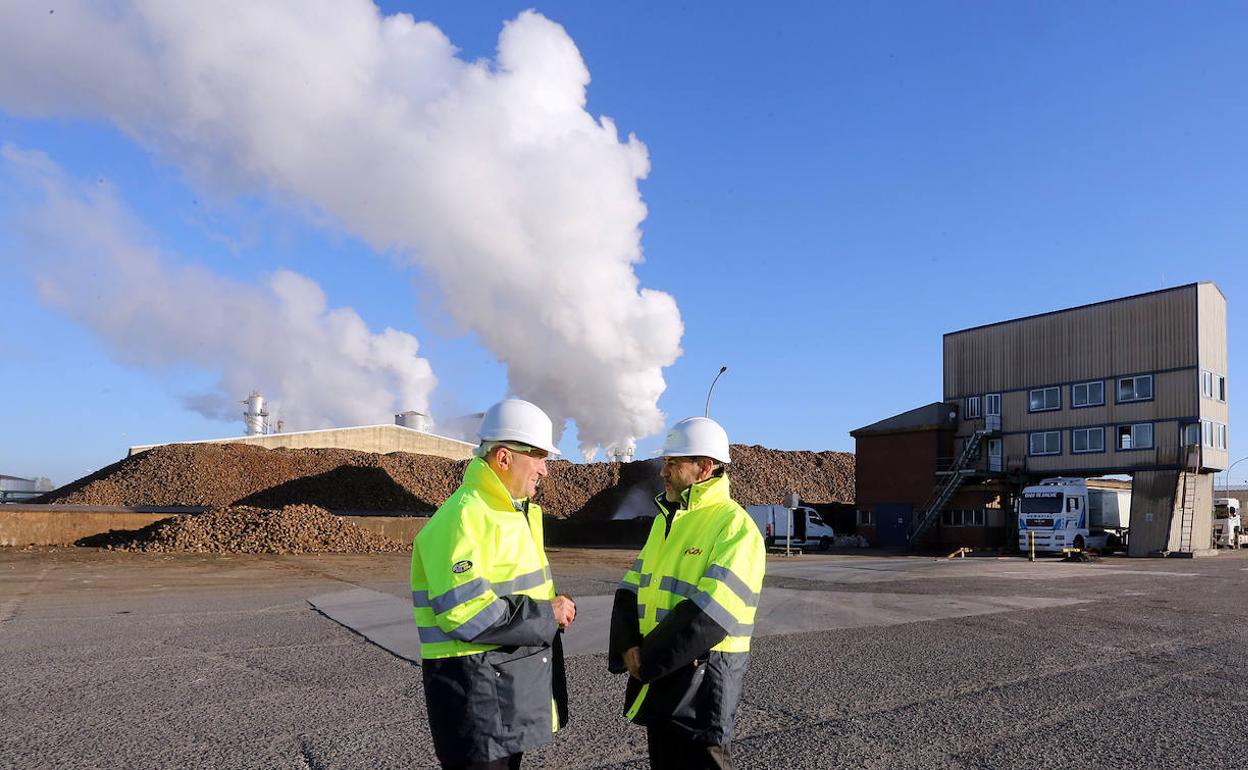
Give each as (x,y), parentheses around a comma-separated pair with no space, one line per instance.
(505,763)
(670,750)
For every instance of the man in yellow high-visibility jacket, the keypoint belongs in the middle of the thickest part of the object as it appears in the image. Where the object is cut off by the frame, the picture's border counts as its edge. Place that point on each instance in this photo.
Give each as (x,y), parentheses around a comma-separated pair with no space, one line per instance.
(485,604)
(684,613)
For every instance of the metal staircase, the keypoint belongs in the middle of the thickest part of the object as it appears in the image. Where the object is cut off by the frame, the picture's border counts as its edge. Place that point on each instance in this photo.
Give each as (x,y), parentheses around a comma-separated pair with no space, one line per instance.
(948,487)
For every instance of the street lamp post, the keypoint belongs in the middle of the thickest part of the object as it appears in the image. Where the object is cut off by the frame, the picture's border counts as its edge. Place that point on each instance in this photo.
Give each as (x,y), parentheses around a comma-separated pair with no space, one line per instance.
(722,369)
(1226,484)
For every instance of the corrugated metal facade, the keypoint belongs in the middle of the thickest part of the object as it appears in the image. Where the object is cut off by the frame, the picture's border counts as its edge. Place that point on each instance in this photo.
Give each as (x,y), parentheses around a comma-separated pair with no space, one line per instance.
(1213,359)
(1171,335)
(1148,333)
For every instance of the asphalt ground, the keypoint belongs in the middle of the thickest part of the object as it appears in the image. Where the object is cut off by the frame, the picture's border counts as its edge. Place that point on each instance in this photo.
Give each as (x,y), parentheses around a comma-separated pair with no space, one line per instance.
(189,661)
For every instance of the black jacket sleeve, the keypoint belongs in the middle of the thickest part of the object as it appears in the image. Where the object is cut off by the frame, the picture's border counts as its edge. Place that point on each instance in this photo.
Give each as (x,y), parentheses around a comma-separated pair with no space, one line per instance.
(682,637)
(529,622)
(625,630)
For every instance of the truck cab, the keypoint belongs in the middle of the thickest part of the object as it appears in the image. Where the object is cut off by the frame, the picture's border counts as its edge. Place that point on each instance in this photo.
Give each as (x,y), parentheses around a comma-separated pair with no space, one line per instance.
(1228,531)
(1060,513)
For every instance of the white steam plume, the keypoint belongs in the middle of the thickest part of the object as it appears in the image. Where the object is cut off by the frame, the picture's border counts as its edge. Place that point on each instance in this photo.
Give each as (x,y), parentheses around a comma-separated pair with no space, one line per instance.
(491,174)
(90,260)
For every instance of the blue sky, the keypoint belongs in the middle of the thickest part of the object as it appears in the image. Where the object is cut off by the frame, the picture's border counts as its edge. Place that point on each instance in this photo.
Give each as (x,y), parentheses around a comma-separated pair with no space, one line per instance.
(831,188)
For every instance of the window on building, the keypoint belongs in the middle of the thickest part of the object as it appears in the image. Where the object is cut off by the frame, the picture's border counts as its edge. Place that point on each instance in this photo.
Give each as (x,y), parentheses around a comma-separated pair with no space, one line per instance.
(1138,388)
(972,407)
(1047,442)
(1044,399)
(1087,394)
(1206,433)
(1206,383)
(866,518)
(1087,440)
(1221,436)
(963,518)
(1191,434)
(992,404)
(1222,389)
(1138,436)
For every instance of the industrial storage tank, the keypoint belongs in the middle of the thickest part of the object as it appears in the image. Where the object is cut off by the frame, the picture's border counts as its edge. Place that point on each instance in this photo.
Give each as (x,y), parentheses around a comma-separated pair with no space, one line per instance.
(413,420)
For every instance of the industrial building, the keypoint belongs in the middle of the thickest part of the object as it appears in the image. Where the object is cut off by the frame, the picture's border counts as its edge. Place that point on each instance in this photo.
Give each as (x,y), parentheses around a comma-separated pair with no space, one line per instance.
(17,488)
(1134,386)
(407,434)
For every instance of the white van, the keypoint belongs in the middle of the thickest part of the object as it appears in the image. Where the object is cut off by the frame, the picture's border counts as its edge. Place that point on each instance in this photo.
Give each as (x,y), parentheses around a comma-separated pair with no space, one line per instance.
(809,528)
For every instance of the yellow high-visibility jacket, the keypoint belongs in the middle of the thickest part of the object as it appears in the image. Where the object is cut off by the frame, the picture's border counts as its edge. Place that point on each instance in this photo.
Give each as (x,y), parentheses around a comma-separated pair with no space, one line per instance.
(492,661)
(689,603)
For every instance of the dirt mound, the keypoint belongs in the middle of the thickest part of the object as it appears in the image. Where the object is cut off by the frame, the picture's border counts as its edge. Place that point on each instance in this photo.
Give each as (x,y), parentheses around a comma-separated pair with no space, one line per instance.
(762,476)
(759,476)
(240,474)
(244,529)
(220,475)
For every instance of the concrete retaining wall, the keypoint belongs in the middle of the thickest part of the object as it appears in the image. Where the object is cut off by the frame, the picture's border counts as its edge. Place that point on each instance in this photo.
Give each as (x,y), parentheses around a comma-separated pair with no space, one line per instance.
(22,525)
(381,439)
(65,525)
(398,528)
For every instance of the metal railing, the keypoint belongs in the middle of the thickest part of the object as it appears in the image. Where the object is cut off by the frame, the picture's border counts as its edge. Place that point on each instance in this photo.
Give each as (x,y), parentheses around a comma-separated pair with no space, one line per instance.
(984,464)
(947,487)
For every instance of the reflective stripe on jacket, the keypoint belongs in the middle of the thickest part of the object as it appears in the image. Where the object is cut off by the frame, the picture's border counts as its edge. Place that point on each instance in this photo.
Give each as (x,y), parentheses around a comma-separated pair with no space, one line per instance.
(481,592)
(711,554)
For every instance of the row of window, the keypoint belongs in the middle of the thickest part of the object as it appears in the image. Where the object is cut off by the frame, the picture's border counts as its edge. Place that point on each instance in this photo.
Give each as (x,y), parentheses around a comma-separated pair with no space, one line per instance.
(1126,438)
(1212,385)
(976,517)
(991,405)
(1092,393)
(1209,433)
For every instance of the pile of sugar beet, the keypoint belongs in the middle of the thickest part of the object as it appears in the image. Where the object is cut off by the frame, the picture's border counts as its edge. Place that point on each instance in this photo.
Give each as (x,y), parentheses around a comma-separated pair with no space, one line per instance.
(279,500)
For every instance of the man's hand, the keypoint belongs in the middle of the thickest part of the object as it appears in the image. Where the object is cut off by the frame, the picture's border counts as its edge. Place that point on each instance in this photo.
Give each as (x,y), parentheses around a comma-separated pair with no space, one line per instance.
(565,610)
(632,661)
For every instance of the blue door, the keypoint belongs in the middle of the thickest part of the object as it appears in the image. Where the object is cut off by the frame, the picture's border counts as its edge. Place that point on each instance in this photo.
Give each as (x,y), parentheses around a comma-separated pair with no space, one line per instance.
(892,523)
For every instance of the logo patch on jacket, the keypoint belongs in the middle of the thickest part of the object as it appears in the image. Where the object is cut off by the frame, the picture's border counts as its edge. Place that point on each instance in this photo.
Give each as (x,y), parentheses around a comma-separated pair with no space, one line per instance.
(694,551)
(460,567)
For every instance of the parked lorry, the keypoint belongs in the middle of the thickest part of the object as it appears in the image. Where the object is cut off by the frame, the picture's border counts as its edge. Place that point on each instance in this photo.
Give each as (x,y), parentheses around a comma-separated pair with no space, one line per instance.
(1228,531)
(809,529)
(1063,513)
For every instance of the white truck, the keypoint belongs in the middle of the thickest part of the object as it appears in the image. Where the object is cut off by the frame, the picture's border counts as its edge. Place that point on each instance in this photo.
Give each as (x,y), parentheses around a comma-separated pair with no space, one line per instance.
(1228,531)
(1063,513)
(809,528)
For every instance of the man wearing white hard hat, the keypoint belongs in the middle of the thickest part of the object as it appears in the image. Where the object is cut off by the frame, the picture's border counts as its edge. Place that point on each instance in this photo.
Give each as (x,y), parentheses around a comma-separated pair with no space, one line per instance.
(684,613)
(485,603)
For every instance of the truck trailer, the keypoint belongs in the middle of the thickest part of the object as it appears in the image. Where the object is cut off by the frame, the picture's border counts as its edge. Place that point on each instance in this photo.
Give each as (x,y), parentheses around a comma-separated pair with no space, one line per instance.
(1061,513)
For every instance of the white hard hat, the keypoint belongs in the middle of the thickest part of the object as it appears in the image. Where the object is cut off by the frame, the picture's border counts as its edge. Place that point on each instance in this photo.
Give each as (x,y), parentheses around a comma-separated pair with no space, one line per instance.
(519,421)
(697,437)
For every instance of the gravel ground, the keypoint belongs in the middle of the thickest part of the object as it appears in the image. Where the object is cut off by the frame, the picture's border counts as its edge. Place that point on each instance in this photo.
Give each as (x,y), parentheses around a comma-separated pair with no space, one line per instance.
(119,659)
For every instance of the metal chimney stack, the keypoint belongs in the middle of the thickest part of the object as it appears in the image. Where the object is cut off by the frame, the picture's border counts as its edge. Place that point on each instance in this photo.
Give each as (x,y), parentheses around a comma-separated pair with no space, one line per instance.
(621,454)
(255,418)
